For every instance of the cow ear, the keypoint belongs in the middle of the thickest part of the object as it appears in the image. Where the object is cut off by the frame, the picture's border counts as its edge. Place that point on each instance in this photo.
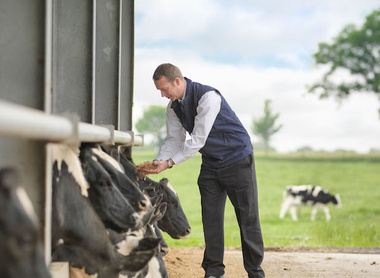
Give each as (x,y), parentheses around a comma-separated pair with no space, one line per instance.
(164,181)
(147,243)
(159,213)
(156,200)
(141,255)
(147,216)
(162,208)
(136,260)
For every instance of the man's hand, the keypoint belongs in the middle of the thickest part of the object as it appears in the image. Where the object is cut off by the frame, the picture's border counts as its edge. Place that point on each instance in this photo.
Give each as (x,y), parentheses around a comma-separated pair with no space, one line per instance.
(152,167)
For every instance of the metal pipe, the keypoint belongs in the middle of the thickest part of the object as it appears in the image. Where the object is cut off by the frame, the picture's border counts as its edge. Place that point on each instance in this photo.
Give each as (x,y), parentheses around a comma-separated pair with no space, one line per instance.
(123,137)
(93,91)
(48,108)
(126,64)
(120,64)
(92,133)
(138,140)
(48,56)
(21,121)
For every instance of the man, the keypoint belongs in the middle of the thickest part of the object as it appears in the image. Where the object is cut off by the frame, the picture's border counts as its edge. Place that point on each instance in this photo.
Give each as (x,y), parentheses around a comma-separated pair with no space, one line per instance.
(227,164)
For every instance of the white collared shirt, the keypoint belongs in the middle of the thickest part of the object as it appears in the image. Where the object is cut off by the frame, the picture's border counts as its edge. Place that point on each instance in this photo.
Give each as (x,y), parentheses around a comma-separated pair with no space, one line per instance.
(176,146)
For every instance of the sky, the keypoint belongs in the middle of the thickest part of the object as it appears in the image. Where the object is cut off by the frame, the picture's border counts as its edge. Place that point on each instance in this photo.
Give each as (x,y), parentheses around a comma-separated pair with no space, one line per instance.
(254,50)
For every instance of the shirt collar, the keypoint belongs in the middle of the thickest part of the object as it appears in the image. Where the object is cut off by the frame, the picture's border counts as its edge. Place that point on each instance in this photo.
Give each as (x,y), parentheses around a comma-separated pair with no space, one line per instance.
(183,97)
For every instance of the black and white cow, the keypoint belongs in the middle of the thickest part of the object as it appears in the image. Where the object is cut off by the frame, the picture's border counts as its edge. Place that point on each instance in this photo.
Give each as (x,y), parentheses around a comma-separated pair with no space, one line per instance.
(115,211)
(78,234)
(174,222)
(128,187)
(20,244)
(296,196)
(126,242)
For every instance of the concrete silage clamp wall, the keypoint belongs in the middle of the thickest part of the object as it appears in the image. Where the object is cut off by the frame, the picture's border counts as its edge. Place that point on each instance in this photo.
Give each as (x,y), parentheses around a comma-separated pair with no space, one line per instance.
(70,58)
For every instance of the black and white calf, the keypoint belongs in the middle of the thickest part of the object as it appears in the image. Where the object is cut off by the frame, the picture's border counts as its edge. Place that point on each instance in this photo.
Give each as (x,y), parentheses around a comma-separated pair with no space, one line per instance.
(296,196)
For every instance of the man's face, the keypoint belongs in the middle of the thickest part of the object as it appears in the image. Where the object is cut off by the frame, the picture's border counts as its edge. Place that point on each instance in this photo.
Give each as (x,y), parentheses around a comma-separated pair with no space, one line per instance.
(169,90)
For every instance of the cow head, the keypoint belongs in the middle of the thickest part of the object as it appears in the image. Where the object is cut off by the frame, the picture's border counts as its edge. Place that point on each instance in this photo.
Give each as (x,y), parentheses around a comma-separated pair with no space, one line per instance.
(337,201)
(21,251)
(113,208)
(174,221)
(128,187)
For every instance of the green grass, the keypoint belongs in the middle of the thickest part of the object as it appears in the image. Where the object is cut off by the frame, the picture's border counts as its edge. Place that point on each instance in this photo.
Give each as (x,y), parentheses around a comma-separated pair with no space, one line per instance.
(355,177)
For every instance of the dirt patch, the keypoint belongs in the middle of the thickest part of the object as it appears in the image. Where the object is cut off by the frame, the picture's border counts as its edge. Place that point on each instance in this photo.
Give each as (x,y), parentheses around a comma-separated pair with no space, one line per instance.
(279,262)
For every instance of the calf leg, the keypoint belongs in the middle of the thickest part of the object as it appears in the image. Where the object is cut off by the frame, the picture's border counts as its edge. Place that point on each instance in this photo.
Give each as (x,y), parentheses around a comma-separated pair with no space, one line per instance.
(293,212)
(284,208)
(314,213)
(327,213)
(322,207)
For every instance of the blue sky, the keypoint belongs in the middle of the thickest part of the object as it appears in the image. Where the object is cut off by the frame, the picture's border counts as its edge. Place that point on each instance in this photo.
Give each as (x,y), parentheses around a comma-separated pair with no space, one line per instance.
(256,50)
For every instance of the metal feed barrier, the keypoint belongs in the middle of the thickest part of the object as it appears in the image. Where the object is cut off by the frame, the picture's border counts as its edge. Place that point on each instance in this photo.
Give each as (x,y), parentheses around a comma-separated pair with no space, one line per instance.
(66,76)
(17,121)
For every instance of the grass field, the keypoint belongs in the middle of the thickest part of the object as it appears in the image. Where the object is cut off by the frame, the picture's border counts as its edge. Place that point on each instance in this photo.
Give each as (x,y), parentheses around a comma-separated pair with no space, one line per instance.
(355,177)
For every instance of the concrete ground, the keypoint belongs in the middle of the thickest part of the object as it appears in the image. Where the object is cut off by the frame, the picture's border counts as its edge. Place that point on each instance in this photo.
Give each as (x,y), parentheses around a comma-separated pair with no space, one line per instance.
(284,263)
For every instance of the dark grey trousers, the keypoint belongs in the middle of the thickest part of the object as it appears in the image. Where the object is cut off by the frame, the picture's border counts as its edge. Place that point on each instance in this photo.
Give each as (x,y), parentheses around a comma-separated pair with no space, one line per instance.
(238,182)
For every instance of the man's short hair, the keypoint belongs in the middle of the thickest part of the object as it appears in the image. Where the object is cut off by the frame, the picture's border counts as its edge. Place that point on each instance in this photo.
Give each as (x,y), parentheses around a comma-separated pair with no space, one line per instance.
(170,71)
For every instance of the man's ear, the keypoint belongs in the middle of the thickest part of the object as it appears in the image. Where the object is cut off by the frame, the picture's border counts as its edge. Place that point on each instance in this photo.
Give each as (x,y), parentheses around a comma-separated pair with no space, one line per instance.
(177,81)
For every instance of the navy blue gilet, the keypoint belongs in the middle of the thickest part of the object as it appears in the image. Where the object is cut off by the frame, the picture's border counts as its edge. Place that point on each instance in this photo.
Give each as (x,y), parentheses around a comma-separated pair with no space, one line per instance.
(228,141)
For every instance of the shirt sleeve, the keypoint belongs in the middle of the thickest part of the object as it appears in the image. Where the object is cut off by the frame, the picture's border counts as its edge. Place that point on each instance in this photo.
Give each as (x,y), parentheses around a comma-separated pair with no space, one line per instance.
(176,146)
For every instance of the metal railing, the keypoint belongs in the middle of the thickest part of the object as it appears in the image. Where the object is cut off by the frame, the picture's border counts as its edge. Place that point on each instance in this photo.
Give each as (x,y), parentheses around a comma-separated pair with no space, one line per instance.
(24,122)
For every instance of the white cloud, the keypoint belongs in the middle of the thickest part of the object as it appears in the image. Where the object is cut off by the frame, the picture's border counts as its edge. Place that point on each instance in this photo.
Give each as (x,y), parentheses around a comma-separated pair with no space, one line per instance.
(266,49)
(246,30)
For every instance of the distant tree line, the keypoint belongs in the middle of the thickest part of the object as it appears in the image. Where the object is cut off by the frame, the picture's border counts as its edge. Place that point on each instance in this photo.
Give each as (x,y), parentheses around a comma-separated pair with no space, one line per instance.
(264,127)
(153,122)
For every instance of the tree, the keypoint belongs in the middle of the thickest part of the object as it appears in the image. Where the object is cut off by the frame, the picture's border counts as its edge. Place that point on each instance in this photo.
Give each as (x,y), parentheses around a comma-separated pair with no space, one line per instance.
(355,50)
(153,122)
(264,127)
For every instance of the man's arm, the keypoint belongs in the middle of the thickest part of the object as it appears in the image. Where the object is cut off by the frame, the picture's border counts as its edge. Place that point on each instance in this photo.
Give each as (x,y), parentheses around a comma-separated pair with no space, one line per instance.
(176,149)
(207,111)
(176,135)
